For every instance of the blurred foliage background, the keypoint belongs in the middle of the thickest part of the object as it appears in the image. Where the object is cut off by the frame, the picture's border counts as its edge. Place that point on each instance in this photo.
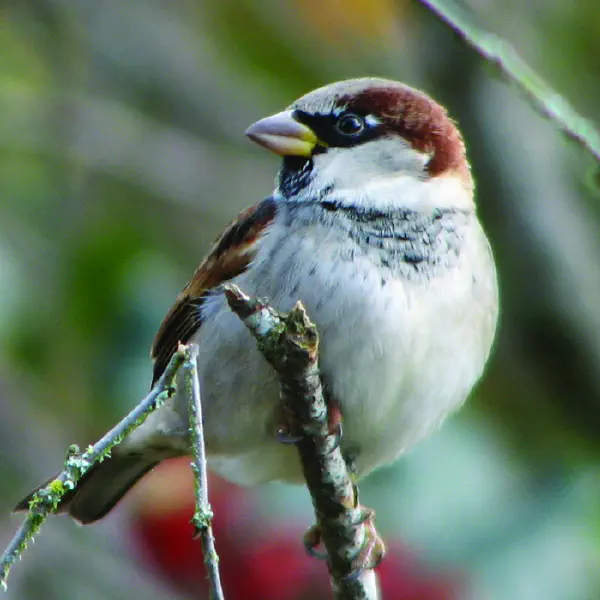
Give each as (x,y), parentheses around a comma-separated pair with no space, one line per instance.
(122,155)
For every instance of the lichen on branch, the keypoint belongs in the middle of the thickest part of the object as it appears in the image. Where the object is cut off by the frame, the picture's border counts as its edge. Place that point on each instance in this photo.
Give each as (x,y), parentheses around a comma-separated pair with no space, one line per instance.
(290,344)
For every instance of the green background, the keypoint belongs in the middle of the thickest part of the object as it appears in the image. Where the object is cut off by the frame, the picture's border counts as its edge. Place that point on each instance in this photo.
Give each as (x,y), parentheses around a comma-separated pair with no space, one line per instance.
(122,155)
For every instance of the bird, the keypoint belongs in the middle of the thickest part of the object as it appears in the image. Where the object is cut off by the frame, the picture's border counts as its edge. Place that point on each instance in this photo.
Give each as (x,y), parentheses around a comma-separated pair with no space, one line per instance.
(373,225)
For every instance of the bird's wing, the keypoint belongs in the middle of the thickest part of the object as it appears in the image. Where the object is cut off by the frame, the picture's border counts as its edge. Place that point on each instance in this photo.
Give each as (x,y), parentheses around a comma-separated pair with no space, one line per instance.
(231,254)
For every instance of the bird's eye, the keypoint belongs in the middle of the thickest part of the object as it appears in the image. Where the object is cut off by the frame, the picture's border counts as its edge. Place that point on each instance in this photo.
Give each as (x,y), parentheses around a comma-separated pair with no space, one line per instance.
(350,125)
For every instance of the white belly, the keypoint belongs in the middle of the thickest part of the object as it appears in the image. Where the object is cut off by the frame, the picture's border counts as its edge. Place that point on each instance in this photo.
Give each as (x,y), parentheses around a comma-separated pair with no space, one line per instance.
(397,357)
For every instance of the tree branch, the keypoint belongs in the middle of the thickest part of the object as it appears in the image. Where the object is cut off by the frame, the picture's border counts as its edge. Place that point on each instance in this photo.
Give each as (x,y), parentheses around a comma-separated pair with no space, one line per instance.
(203,515)
(290,344)
(499,52)
(47,499)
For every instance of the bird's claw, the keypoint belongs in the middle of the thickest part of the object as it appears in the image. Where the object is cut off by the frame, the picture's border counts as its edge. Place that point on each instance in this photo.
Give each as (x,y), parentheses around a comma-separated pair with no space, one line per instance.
(369,556)
(285,436)
(337,433)
(372,551)
(312,539)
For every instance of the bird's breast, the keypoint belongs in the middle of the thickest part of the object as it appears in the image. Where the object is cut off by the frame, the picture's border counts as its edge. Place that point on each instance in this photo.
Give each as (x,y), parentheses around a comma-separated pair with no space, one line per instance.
(405,314)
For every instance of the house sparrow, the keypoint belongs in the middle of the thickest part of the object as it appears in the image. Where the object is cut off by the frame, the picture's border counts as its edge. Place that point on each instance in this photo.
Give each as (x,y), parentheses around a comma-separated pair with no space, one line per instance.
(372,224)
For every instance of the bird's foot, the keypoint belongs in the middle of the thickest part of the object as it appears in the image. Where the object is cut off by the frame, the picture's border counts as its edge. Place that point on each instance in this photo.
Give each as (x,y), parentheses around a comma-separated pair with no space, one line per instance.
(372,551)
(312,540)
(285,435)
(369,556)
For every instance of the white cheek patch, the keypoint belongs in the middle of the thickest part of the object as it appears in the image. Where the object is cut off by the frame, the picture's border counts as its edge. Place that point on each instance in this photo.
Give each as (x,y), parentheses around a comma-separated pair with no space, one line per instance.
(383,174)
(353,168)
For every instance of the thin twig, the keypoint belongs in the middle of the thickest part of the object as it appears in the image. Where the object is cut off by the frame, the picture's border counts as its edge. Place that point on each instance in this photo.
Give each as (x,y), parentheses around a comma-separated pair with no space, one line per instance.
(290,344)
(203,515)
(500,53)
(47,499)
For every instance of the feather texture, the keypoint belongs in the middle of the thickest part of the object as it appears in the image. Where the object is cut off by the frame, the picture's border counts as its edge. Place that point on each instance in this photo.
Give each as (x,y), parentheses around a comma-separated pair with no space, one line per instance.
(230,256)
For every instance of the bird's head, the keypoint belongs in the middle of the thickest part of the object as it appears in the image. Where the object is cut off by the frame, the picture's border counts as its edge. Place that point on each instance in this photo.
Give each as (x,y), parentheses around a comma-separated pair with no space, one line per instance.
(371,142)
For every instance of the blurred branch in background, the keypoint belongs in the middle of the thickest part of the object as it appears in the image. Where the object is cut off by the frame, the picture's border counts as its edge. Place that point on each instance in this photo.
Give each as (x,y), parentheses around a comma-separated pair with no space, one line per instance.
(122,155)
(500,53)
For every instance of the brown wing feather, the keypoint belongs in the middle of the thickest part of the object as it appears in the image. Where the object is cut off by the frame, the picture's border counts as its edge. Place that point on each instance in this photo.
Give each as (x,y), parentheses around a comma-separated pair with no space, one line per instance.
(230,256)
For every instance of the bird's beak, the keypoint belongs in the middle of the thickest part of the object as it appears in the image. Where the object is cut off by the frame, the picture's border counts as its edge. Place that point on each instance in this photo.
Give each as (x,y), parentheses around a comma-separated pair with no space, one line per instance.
(283,134)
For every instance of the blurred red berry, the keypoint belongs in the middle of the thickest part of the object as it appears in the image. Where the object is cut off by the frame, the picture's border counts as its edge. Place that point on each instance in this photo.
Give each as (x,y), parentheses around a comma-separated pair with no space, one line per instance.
(256,564)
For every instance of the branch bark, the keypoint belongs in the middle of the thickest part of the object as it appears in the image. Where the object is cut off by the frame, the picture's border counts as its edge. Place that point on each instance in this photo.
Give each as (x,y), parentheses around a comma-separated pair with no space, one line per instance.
(203,515)
(290,344)
(47,499)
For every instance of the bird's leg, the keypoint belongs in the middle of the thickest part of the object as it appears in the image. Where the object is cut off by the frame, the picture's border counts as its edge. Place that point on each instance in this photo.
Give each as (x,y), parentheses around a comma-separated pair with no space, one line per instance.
(371,553)
(372,550)
(334,422)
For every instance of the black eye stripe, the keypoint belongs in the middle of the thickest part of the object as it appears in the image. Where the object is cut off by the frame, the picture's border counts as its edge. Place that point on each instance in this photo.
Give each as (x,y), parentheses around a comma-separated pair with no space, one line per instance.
(340,129)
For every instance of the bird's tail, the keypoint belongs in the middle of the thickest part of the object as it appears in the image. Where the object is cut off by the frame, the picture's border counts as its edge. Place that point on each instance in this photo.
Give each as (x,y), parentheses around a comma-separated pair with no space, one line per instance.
(99,490)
